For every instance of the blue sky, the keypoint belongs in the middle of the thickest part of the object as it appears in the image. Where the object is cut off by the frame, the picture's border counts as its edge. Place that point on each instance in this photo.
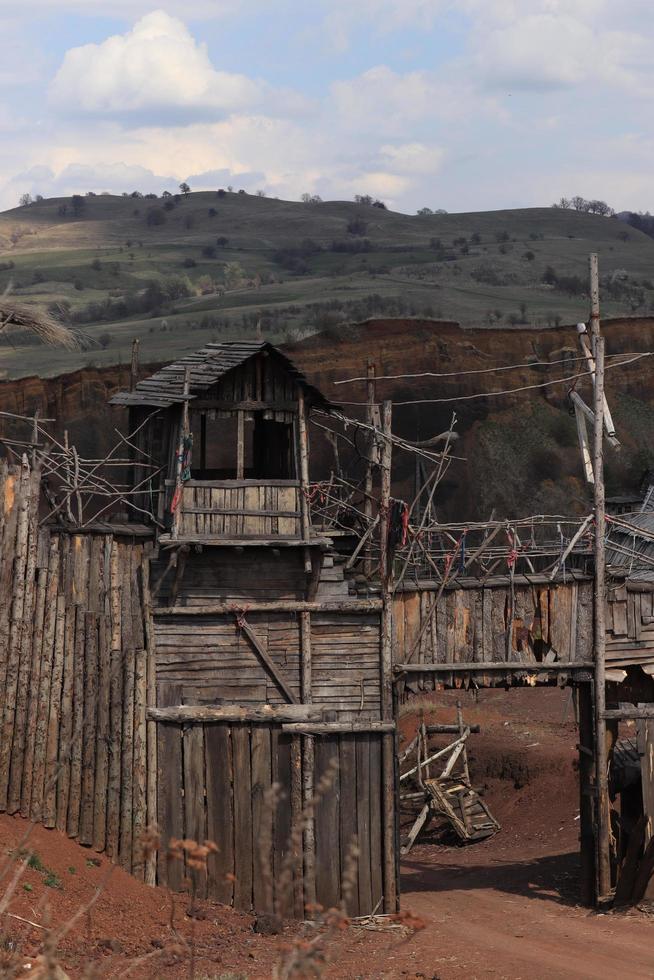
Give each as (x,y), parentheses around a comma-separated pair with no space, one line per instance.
(459,104)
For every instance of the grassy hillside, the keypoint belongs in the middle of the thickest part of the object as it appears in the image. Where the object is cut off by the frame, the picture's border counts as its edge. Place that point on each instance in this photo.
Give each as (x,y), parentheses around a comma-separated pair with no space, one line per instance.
(182,271)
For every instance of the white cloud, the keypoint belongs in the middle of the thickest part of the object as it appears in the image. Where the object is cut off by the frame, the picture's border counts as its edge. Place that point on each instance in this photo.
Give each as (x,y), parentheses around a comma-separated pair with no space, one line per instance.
(383,100)
(413,158)
(77,178)
(156,66)
(210,9)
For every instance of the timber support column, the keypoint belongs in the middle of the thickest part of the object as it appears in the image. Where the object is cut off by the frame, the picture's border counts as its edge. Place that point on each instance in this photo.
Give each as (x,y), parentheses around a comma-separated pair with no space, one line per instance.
(372,452)
(308,768)
(388,752)
(303,453)
(601,755)
(587,783)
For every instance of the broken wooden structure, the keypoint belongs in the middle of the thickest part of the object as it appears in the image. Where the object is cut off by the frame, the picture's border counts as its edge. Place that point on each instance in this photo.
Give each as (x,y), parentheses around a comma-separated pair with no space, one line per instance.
(448,797)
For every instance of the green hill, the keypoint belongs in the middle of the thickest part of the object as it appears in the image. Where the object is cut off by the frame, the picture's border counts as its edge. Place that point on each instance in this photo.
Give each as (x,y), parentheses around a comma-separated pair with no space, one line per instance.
(180,271)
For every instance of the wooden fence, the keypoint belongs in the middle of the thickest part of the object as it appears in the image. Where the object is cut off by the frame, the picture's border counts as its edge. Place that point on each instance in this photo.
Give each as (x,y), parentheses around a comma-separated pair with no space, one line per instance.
(74,678)
(495,632)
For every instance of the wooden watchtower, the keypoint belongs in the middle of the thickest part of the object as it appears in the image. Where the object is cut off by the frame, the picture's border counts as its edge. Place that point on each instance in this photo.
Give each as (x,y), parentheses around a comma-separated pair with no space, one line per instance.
(265,669)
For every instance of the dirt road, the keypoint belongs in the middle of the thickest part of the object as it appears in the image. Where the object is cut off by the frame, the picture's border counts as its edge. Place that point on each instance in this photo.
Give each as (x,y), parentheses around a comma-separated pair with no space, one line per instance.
(507,908)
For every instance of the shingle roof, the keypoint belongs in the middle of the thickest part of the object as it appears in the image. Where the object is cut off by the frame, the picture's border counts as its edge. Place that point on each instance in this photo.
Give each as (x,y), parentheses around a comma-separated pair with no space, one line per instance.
(630,541)
(207,365)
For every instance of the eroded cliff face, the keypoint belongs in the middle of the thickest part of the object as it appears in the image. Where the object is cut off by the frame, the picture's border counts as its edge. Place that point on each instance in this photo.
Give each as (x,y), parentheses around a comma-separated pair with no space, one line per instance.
(517,452)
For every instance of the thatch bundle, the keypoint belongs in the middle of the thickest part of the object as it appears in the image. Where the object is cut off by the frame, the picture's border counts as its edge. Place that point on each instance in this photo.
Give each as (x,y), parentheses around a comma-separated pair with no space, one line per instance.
(19,316)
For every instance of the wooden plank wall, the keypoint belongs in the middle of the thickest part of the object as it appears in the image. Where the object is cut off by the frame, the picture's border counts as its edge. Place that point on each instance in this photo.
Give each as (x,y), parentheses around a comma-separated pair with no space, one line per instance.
(220,575)
(227,770)
(629,624)
(214,511)
(532,624)
(211,660)
(73,677)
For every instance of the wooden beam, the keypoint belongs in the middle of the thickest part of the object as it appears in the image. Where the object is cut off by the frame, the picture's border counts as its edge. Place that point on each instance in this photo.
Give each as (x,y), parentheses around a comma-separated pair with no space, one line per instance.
(584,447)
(245,405)
(338,727)
(165,540)
(629,714)
(236,484)
(181,714)
(268,664)
(242,512)
(450,729)
(278,605)
(533,668)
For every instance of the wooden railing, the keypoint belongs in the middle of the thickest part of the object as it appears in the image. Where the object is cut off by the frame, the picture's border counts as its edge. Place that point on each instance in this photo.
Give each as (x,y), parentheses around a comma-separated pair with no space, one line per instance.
(240,508)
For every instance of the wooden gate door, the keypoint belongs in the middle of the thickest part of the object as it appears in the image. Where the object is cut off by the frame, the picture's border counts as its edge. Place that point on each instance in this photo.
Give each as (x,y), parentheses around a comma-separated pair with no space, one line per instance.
(231,783)
(240,785)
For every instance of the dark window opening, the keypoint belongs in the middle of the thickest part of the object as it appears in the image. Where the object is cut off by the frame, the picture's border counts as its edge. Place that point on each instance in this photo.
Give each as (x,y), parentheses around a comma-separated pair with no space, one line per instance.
(267,448)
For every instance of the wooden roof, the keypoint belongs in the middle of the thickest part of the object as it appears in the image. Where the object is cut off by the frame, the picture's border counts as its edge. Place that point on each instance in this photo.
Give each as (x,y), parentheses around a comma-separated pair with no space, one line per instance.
(207,366)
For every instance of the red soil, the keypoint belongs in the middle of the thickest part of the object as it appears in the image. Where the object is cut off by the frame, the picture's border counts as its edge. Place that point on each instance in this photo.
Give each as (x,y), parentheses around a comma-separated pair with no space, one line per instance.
(504,908)
(507,907)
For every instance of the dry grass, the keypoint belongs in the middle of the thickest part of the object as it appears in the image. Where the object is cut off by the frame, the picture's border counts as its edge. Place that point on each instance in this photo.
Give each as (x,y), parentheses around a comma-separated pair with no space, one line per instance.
(21,317)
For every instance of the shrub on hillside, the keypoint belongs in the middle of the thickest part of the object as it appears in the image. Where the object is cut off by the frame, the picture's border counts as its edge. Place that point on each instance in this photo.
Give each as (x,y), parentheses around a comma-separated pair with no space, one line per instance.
(357,226)
(155,217)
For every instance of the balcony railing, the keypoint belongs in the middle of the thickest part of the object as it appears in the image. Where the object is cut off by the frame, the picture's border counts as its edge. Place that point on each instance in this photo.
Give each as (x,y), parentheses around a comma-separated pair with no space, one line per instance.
(234,509)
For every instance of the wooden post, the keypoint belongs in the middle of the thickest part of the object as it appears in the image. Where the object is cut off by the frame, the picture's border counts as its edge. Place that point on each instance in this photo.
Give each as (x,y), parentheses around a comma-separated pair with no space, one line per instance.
(601,760)
(240,444)
(203,441)
(459,719)
(303,450)
(385,571)
(151,702)
(35,438)
(134,366)
(368,482)
(183,431)
(308,764)
(69,480)
(587,849)
(388,745)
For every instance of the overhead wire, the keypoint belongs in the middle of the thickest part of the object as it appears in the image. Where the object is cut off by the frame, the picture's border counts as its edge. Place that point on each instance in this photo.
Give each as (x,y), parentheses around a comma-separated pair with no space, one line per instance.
(487,370)
(511,391)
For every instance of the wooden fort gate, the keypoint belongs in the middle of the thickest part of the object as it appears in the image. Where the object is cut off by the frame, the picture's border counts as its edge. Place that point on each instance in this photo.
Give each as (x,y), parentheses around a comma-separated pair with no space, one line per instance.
(243,773)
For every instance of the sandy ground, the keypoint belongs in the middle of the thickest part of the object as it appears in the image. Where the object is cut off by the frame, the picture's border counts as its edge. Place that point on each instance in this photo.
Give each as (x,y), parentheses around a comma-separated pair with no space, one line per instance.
(504,908)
